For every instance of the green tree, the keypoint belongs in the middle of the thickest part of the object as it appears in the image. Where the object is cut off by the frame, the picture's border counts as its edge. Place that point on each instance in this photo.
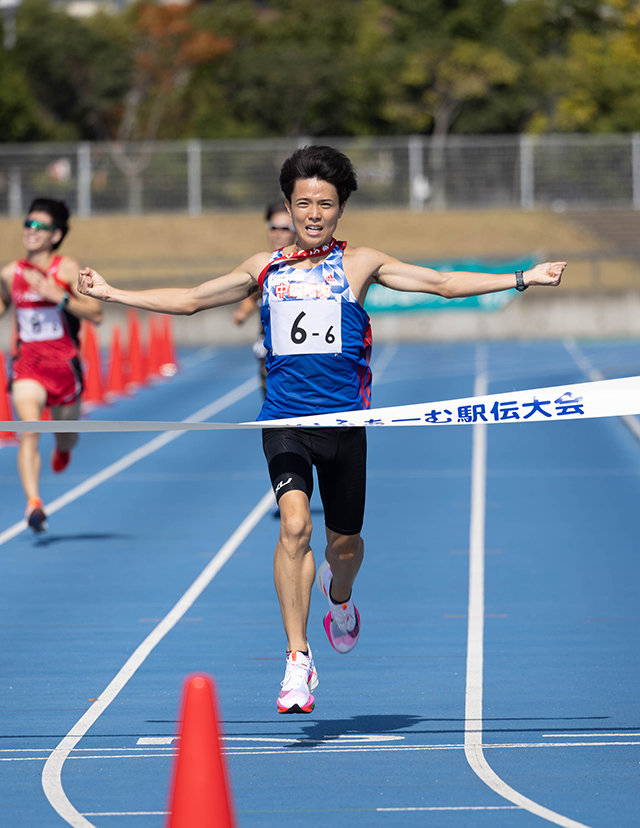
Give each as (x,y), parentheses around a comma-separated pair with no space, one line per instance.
(599,88)
(167,46)
(435,84)
(297,68)
(452,54)
(18,112)
(580,64)
(339,67)
(76,70)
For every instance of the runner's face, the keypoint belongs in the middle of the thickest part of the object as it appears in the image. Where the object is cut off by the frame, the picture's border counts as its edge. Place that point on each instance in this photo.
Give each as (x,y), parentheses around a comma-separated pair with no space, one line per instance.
(315,210)
(37,240)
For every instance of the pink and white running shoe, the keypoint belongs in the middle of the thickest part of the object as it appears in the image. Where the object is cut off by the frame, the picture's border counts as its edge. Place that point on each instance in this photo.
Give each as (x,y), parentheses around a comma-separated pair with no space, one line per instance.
(342,622)
(295,693)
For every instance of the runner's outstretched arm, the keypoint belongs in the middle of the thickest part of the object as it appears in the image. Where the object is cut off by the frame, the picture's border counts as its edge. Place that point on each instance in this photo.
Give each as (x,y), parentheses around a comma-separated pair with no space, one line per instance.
(398,275)
(223,290)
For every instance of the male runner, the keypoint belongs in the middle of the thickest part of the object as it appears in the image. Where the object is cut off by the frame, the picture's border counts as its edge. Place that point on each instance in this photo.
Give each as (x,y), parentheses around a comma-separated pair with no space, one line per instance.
(46,369)
(318,343)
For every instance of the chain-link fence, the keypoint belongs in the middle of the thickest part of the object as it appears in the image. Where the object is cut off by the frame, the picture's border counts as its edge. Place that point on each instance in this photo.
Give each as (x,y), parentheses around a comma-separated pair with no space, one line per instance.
(521,172)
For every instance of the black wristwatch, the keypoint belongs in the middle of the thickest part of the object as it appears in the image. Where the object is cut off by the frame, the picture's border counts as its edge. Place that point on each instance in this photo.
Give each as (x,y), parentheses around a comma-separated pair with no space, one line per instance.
(520,285)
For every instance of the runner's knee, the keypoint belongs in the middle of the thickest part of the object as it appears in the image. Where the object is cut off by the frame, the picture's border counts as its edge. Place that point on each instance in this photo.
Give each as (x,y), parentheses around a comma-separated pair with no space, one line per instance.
(295,529)
(29,440)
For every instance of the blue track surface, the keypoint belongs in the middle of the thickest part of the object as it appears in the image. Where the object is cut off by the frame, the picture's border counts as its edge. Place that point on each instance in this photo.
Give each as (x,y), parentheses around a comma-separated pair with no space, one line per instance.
(558,734)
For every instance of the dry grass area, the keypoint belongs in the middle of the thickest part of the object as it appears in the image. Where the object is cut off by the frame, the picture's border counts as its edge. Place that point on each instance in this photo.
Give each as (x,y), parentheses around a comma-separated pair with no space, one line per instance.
(176,248)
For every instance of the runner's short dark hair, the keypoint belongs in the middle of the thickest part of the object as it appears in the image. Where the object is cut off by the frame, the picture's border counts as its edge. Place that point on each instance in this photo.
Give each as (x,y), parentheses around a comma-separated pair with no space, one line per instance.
(325,163)
(58,211)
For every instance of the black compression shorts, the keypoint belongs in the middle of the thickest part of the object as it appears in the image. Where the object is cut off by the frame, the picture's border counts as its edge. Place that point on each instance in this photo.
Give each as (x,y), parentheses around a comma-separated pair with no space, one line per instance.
(340,458)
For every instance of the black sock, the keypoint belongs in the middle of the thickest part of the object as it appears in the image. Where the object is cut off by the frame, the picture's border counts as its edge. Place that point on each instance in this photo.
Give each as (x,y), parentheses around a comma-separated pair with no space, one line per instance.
(337,603)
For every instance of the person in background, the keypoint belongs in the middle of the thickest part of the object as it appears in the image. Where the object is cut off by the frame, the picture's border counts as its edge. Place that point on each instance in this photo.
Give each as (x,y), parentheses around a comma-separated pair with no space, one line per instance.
(45,369)
(280,233)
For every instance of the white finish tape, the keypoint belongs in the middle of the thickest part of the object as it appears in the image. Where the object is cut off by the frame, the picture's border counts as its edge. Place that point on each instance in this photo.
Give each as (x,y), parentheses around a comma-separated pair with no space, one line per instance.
(581,401)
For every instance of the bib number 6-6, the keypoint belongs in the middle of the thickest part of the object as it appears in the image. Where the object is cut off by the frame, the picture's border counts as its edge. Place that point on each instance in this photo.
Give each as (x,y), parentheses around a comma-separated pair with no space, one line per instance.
(299,335)
(307,326)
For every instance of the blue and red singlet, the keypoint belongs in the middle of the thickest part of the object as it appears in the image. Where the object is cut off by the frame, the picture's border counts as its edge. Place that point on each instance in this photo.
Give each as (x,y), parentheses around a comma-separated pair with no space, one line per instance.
(47,338)
(317,336)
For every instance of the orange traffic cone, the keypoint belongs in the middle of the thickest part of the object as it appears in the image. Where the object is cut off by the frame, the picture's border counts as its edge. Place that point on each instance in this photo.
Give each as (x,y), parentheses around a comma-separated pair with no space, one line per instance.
(168,363)
(200,796)
(90,352)
(116,377)
(137,361)
(5,406)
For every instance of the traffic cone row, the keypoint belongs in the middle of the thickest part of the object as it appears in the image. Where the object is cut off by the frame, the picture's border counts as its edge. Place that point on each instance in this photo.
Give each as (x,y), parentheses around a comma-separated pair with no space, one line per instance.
(131,366)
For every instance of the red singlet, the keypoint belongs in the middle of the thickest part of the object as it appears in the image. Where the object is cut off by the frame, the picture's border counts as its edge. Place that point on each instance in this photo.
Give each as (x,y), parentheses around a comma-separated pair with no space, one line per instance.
(47,338)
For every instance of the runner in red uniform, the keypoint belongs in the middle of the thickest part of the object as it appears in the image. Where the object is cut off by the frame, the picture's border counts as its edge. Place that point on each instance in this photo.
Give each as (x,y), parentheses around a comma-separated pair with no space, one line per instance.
(46,369)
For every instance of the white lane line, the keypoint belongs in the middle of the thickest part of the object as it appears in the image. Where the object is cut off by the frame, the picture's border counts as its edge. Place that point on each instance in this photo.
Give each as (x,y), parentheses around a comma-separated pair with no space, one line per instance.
(455,808)
(125,813)
(475,628)
(52,772)
(379,810)
(594,374)
(161,752)
(587,735)
(138,454)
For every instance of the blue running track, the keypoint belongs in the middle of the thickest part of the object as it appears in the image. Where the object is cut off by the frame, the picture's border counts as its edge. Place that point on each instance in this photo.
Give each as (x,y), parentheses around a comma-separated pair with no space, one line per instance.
(496,679)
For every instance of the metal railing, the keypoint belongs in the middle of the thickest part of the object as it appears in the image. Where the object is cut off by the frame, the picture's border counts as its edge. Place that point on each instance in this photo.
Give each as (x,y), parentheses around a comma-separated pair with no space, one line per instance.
(522,172)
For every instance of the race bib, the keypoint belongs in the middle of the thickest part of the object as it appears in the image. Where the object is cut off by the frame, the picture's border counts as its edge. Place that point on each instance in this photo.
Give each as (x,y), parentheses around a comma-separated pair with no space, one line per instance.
(39,324)
(306,326)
